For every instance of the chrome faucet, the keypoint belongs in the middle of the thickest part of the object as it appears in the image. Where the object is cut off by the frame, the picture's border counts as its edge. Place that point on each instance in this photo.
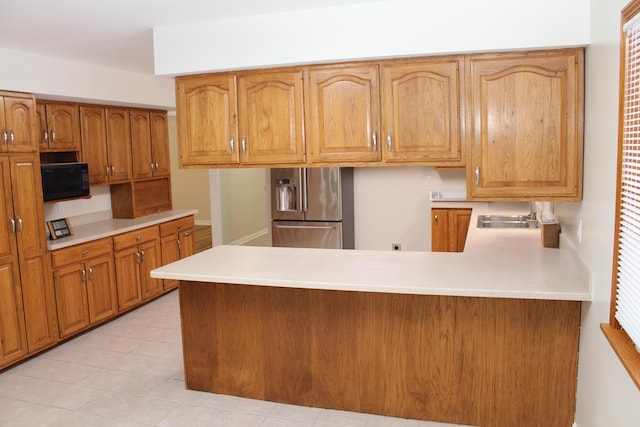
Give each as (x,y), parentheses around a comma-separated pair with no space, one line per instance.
(533,211)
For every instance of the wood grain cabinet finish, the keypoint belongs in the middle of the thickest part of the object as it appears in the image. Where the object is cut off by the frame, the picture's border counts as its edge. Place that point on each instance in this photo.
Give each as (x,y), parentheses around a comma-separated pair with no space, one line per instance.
(421,111)
(491,362)
(207,120)
(525,125)
(150,144)
(177,242)
(27,313)
(449,229)
(58,126)
(136,254)
(249,119)
(270,118)
(17,123)
(84,282)
(343,114)
(106,143)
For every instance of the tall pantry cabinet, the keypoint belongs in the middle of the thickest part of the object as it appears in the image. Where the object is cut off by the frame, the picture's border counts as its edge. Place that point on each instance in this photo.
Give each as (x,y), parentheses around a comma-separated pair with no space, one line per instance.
(27,316)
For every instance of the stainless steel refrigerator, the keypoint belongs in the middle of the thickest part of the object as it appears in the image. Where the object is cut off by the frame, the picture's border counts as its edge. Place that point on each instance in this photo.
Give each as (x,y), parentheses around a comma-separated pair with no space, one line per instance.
(312,207)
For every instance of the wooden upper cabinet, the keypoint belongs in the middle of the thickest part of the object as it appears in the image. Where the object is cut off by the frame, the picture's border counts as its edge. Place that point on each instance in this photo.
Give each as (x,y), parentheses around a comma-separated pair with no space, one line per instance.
(421,110)
(118,127)
(106,143)
(159,143)
(17,123)
(270,116)
(525,126)
(149,144)
(59,126)
(94,141)
(343,114)
(141,144)
(207,120)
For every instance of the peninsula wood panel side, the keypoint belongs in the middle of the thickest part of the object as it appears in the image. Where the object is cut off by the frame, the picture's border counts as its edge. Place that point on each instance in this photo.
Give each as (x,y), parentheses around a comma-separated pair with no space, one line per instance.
(477,361)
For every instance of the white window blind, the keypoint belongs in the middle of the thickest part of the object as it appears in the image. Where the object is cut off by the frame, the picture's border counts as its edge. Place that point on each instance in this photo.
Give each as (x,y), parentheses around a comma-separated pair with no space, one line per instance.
(628,261)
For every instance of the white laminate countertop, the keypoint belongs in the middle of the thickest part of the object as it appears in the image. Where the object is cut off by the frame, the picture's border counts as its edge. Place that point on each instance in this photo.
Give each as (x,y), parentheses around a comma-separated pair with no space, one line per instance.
(498,263)
(111,227)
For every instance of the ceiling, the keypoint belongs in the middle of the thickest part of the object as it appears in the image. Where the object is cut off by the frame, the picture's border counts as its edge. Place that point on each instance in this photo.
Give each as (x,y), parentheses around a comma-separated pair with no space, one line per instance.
(118,33)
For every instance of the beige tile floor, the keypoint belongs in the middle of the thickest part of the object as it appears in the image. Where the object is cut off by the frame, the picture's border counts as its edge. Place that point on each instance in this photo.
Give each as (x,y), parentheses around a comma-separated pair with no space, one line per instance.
(129,373)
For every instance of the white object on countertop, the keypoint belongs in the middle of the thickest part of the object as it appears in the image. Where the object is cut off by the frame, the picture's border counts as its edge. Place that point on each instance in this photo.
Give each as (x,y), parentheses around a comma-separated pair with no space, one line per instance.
(448,196)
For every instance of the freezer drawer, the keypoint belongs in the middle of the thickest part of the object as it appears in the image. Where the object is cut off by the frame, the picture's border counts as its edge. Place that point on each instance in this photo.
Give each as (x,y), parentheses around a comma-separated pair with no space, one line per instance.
(306,234)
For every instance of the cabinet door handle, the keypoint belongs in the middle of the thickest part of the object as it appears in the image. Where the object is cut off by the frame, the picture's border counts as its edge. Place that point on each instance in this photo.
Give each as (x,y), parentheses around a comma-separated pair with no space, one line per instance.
(477,175)
(113,169)
(84,276)
(12,137)
(85,253)
(436,219)
(20,228)
(108,170)
(244,146)
(389,141)
(53,136)
(141,256)
(374,139)
(156,167)
(45,135)
(232,143)
(5,136)
(151,166)
(138,259)
(179,245)
(91,274)
(13,225)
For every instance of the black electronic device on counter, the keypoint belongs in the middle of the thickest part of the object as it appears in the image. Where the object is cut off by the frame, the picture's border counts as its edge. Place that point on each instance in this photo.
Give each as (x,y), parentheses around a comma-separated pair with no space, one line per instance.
(64,180)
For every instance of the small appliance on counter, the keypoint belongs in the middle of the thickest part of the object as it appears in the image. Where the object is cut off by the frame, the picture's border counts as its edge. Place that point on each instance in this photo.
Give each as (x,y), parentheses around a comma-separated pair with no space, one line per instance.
(312,207)
(448,196)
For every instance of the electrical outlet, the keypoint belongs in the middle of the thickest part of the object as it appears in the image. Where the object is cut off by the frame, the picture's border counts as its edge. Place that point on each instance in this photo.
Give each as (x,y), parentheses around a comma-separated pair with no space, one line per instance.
(396,247)
(427,180)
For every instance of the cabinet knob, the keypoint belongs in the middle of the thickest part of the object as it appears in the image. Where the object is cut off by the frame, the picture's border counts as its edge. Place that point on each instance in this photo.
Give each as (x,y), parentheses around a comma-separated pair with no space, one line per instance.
(436,219)
(138,238)
(85,253)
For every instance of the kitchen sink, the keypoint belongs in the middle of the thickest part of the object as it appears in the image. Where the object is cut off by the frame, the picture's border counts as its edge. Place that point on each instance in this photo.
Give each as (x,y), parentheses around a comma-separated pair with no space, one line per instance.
(507,221)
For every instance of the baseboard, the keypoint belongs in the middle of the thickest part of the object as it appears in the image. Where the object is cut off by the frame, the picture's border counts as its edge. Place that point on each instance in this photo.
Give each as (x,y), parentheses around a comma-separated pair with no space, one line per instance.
(250,237)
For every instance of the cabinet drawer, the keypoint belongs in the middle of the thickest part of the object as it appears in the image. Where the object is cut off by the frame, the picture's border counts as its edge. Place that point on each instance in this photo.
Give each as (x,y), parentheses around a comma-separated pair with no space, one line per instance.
(177,225)
(135,237)
(81,252)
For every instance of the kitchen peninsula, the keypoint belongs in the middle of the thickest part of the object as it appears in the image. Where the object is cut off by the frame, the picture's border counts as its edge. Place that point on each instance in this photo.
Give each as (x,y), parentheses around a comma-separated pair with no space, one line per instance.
(487,337)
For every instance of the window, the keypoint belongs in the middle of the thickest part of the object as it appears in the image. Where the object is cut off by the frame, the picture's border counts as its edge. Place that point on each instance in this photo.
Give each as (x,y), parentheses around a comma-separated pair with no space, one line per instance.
(623,329)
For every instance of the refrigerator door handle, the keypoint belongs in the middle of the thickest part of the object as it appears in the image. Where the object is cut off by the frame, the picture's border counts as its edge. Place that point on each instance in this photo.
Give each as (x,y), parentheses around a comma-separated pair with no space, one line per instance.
(307,227)
(304,196)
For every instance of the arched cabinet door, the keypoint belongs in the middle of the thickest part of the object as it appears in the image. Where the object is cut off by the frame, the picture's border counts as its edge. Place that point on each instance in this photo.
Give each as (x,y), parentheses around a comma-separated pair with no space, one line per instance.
(526,126)
(343,114)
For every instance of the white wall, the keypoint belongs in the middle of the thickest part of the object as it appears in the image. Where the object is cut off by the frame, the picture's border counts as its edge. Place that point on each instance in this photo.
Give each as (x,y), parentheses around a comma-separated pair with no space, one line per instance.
(54,78)
(606,394)
(370,30)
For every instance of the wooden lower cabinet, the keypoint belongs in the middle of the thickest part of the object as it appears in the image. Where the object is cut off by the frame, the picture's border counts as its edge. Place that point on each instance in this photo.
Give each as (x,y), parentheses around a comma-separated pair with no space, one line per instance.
(449,229)
(177,242)
(13,343)
(136,254)
(85,289)
(39,304)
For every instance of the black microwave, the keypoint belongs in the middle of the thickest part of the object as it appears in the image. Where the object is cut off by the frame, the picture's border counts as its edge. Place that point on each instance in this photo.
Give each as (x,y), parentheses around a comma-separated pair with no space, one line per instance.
(64,180)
